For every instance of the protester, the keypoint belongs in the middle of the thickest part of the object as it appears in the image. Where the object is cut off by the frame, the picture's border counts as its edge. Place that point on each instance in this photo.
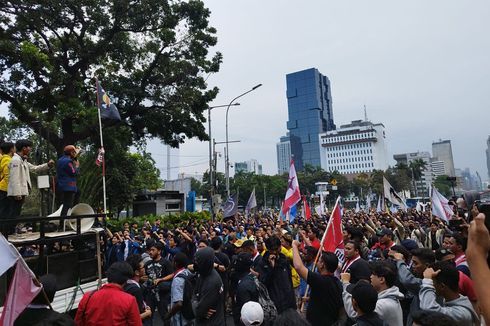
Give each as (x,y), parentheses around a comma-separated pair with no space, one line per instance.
(246,289)
(325,303)
(38,312)
(457,244)
(251,314)
(133,287)
(411,279)
(67,170)
(8,150)
(431,318)
(19,183)
(364,299)
(275,274)
(180,312)
(110,305)
(157,287)
(442,279)
(357,267)
(388,306)
(207,300)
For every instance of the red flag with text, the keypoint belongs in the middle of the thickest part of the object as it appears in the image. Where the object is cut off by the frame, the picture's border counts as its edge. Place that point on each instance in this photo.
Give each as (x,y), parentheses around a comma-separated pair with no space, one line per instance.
(293,196)
(333,239)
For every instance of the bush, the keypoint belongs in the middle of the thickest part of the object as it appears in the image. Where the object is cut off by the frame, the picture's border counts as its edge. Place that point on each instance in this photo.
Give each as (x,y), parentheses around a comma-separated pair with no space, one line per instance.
(170,221)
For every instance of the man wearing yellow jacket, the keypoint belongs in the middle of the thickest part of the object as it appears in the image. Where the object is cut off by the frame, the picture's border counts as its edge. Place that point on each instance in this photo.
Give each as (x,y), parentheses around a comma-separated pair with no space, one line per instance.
(8,150)
(287,250)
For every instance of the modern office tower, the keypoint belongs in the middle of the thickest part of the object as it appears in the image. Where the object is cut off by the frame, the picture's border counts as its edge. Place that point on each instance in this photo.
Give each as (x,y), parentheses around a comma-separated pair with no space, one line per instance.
(488,156)
(442,151)
(283,149)
(358,147)
(309,114)
(438,168)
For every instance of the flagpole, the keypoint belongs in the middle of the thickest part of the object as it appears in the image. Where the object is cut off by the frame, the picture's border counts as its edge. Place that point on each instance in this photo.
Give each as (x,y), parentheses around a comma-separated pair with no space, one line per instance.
(101,146)
(318,254)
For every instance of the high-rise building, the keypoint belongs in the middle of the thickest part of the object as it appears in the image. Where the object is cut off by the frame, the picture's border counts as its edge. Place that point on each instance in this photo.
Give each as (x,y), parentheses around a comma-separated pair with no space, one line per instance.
(488,156)
(309,114)
(283,149)
(249,166)
(442,151)
(438,168)
(358,147)
(422,185)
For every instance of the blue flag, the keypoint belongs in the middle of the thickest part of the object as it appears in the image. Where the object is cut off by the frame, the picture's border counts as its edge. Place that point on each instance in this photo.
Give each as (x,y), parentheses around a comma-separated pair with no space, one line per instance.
(292,214)
(231,206)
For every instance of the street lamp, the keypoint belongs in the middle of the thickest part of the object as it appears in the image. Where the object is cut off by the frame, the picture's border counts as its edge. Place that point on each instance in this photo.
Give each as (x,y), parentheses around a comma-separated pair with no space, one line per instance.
(227,170)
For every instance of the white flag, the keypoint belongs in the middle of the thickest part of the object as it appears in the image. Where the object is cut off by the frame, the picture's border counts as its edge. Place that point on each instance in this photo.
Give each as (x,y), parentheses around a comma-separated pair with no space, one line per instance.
(358,209)
(252,202)
(440,206)
(8,254)
(391,195)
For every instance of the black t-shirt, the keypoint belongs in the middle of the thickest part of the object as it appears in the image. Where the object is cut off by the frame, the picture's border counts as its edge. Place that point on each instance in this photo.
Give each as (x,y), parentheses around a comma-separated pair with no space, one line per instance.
(136,292)
(325,299)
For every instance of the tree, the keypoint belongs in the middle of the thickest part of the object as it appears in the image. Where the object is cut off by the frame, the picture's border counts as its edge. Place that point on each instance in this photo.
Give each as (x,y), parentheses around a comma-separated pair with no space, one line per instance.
(151,56)
(443,185)
(417,168)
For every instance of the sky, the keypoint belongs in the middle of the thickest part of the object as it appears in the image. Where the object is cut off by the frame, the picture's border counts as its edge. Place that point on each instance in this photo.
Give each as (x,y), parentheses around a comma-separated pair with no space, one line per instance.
(420,67)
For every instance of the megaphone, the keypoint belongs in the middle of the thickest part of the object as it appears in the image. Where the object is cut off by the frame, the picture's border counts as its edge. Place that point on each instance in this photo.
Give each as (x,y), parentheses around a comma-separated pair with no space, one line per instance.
(77,210)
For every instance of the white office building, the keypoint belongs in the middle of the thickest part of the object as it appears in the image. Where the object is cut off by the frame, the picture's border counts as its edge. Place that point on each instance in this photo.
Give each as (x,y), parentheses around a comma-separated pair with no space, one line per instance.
(422,185)
(438,168)
(358,147)
(251,166)
(283,148)
(442,151)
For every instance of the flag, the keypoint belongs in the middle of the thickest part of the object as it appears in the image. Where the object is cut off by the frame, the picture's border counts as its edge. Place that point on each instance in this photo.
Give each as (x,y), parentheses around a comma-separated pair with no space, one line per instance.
(418,208)
(440,206)
(231,206)
(9,255)
(333,239)
(293,195)
(368,204)
(282,216)
(100,157)
(379,207)
(292,213)
(252,202)
(358,209)
(306,213)
(107,109)
(391,195)
(22,291)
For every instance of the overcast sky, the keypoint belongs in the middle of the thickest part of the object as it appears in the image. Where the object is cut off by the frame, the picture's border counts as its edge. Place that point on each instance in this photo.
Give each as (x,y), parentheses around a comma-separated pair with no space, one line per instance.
(421,67)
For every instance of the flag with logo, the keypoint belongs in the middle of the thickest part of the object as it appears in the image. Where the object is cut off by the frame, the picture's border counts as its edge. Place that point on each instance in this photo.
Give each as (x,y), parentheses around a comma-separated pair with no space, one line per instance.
(392,196)
(107,109)
(252,202)
(293,195)
(333,238)
(440,206)
(230,207)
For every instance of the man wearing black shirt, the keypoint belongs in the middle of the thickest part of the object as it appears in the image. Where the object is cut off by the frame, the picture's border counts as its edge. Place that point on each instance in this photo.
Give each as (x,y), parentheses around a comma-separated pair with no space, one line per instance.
(354,264)
(160,273)
(133,287)
(325,302)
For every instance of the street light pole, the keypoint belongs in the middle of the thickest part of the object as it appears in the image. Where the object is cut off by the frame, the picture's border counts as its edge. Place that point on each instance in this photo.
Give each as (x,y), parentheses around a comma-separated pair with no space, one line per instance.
(211,184)
(227,165)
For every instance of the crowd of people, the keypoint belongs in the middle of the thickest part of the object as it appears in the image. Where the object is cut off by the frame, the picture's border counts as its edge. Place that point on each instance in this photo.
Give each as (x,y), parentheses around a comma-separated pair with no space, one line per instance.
(407,268)
(403,268)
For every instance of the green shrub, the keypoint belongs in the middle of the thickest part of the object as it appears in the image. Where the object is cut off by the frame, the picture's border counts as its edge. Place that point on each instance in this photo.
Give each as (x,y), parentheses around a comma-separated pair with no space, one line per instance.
(169,221)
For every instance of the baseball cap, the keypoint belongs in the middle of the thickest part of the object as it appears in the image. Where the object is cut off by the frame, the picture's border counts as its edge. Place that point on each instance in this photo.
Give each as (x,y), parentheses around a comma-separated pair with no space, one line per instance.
(252,314)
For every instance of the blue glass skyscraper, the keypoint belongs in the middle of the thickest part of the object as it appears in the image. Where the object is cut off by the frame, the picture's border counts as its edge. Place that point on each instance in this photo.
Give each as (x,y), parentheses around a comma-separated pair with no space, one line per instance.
(310,113)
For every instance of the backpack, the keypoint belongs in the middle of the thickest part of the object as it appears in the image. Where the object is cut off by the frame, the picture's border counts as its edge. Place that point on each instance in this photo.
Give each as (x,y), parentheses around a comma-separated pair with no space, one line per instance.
(268,306)
(186,310)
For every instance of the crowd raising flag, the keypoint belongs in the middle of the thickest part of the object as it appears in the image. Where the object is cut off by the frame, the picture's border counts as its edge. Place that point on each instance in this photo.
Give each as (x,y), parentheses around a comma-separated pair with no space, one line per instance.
(440,206)
(293,196)
(306,212)
(391,195)
(22,289)
(252,202)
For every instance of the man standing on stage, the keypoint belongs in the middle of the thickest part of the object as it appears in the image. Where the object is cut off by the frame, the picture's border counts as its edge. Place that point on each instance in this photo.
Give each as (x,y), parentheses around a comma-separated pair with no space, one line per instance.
(67,169)
(19,175)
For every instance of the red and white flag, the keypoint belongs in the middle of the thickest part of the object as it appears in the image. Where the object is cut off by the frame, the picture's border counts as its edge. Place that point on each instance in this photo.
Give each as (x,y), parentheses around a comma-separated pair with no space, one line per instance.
(440,206)
(293,196)
(100,157)
(22,291)
(306,209)
(9,255)
(333,238)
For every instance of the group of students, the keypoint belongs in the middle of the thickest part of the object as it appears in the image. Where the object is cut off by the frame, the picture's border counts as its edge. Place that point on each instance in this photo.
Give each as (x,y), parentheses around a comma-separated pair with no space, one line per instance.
(16,183)
(401,269)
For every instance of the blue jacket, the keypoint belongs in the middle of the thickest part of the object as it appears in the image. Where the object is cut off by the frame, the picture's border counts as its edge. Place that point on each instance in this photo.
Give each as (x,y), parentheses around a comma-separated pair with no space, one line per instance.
(67,174)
